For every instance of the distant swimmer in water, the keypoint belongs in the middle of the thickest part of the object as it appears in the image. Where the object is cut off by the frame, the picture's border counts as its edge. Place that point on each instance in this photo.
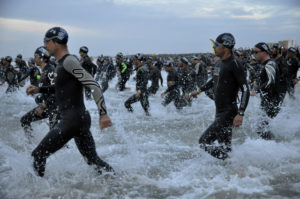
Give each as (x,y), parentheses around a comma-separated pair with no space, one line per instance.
(142,76)
(228,79)
(123,71)
(75,119)
(89,66)
(10,75)
(33,72)
(172,93)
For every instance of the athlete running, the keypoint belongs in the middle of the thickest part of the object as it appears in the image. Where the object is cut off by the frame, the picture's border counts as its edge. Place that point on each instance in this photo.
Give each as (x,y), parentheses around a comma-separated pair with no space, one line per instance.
(46,102)
(229,78)
(75,119)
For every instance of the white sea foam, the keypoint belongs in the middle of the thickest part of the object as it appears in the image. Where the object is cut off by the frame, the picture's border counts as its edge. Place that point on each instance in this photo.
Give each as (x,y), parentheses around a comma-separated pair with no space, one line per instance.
(154,157)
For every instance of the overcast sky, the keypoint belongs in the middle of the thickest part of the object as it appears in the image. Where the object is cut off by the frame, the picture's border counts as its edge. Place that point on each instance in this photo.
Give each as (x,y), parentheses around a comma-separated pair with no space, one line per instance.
(146,26)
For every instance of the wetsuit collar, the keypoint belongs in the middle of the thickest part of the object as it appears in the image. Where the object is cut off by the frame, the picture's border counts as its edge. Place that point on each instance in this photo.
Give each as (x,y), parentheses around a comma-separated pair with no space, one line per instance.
(63,58)
(229,58)
(265,62)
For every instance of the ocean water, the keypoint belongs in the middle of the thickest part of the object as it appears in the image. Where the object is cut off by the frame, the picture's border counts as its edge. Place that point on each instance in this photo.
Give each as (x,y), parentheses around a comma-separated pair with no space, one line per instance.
(154,157)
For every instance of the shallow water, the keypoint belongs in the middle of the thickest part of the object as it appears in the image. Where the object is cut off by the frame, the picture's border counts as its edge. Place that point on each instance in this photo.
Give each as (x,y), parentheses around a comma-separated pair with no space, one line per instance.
(154,157)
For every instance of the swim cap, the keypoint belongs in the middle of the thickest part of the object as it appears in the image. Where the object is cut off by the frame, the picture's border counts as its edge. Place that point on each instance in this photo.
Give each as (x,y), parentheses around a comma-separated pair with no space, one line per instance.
(238,53)
(276,46)
(168,64)
(56,34)
(263,47)
(31,60)
(8,59)
(226,39)
(184,60)
(84,49)
(42,53)
(139,56)
(292,49)
(120,55)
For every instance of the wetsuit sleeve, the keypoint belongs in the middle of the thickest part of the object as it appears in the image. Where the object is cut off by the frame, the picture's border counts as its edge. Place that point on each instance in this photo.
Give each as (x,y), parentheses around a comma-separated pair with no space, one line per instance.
(94,68)
(47,89)
(295,68)
(209,84)
(72,65)
(239,74)
(142,80)
(25,76)
(270,74)
(161,79)
(170,88)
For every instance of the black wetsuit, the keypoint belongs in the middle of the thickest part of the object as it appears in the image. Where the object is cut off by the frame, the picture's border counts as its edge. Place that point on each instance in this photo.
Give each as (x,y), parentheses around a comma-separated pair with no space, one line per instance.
(201,74)
(75,119)
(111,71)
(154,76)
(2,73)
(269,89)
(293,66)
(193,77)
(47,79)
(34,73)
(91,68)
(228,78)
(101,69)
(253,71)
(172,93)
(124,70)
(283,76)
(185,80)
(186,83)
(23,68)
(101,76)
(11,77)
(142,76)
(105,73)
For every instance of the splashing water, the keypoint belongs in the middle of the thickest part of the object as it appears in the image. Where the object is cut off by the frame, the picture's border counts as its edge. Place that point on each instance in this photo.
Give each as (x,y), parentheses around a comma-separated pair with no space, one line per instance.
(154,157)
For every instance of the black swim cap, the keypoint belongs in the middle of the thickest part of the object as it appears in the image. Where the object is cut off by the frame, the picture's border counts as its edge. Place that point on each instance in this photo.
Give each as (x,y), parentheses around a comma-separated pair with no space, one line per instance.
(238,53)
(56,34)
(120,55)
(100,59)
(139,57)
(19,56)
(226,39)
(184,60)
(84,49)
(155,63)
(8,59)
(292,49)
(276,46)
(168,64)
(263,47)
(31,60)
(195,57)
(42,53)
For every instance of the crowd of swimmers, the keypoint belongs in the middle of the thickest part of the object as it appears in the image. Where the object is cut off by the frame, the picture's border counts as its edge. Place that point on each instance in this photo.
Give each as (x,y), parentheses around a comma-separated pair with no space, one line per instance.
(229,76)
